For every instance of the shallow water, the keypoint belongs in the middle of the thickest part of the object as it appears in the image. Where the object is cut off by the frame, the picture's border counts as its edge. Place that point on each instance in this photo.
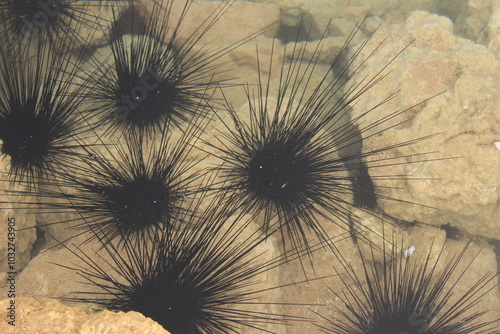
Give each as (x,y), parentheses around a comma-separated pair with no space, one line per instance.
(445,187)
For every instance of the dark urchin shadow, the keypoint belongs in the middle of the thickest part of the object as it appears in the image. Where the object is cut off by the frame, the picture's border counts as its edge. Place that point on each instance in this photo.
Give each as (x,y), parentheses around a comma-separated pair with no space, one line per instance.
(156,73)
(39,109)
(405,295)
(203,277)
(297,154)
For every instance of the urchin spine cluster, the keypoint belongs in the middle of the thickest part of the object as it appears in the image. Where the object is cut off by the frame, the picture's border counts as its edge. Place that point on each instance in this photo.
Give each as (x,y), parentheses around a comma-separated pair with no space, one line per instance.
(294,155)
(201,277)
(155,75)
(39,102)
(128,189)
(129,198)
(45,21)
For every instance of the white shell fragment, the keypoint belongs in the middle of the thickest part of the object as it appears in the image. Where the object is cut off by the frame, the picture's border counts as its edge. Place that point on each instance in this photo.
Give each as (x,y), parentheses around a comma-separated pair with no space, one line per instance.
(409,251)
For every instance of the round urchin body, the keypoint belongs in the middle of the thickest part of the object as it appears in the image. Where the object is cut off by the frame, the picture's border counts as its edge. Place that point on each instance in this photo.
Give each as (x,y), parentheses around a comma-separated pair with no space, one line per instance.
(127,190)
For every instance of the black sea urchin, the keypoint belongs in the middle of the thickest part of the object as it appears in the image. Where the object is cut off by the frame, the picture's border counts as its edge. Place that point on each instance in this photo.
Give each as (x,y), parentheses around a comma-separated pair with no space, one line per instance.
(407,296)
(155,75)
(295,153)
(43,20)
(39,103)
(202,277)
(128,190)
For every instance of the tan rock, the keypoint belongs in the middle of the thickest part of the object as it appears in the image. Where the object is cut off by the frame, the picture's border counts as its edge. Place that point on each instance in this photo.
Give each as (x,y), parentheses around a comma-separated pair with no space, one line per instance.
(463,190)
(107,322)
(50,316)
